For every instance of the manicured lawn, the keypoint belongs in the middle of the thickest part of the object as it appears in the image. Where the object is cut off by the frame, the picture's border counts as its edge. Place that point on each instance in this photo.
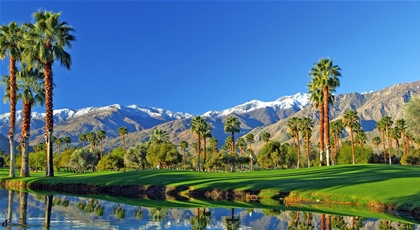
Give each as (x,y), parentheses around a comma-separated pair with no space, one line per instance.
(356,184)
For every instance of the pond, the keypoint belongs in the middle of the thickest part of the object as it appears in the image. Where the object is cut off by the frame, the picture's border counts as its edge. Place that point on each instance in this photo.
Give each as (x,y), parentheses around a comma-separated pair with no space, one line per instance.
(36,211)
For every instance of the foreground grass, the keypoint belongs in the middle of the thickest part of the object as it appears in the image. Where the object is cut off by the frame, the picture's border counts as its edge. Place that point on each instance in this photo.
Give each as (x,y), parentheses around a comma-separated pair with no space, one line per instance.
(359,185)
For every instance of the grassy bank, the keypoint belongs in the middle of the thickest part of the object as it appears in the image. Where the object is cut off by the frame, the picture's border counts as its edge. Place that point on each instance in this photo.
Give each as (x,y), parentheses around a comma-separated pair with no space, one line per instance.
(363,185)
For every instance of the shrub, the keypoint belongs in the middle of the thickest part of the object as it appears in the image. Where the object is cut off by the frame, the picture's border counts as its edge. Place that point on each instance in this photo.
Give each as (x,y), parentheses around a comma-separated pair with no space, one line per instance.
(361,154)
(412,158)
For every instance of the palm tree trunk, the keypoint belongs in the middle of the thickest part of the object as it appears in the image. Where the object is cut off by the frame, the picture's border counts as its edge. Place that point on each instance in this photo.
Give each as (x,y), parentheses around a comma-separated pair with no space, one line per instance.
(298,147)
(389,148)
(352,145)
(321,134)
(12,100)
(406,143)
(48,81)
(10,206)
(205,151)
(328,217)
(322,221)
(185,159)
(327,124)
(48,206)
(383,144)
(197,151)
(233,144)
(26,123)
(100,153)
(377,148)
(23,210)
(307,148)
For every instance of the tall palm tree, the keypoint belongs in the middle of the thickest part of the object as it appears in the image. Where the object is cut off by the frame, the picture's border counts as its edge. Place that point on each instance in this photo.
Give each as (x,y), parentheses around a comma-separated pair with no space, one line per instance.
(249,138)
(197,125)
(213,143)
(266,137)
(350,121)
(82,138)
(293,130)
(101,134)
(30,90)
(232,125)
(316,97)
(32,94)
(67,140)
(184,145)
(402,126)
(123,131)
(10,45)
(335,129)
(325,76)
(387,122)
(395,134)
(376,141)
(381,127)
(205,133)
(305,126)
(44,43)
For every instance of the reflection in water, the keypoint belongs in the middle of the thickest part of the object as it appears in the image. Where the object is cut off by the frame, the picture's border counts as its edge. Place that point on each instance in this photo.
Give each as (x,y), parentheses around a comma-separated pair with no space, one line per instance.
(67,212)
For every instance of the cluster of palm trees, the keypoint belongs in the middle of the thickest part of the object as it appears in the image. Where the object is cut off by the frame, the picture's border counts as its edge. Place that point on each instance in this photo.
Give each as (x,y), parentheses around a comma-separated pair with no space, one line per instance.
(385,126)
(36,47)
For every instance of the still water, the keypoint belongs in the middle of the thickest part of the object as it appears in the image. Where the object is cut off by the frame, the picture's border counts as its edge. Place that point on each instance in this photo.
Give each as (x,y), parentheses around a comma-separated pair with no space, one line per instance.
(31,211)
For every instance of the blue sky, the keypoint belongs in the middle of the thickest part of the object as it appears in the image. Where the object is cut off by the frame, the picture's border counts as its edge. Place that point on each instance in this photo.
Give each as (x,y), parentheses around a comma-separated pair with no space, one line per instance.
(196,56)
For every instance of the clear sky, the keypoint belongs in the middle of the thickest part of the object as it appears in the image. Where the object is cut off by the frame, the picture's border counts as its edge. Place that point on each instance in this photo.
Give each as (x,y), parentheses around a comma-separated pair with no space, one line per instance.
(196,56)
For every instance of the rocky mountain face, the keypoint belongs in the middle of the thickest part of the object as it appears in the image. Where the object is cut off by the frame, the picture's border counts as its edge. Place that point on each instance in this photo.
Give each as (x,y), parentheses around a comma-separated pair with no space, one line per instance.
(255,116)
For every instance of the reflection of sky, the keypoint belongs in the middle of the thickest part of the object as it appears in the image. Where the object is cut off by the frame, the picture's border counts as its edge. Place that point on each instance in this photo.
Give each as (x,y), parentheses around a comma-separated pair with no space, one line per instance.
(72,218)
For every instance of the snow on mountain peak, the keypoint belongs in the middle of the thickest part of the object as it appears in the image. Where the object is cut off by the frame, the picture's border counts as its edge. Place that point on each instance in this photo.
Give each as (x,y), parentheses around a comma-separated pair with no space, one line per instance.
(298,100)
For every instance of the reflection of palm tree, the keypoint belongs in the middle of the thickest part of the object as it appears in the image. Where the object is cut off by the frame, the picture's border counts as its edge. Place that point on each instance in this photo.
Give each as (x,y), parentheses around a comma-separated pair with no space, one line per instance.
(119,211)
(201,220)
(138,213)
(10,205)
(232,222)
(23,207)
(99,210)
(158,214)
(48,206)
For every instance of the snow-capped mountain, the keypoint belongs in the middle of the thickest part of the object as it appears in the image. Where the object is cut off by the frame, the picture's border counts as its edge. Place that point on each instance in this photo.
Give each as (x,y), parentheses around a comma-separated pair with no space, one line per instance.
(297,101)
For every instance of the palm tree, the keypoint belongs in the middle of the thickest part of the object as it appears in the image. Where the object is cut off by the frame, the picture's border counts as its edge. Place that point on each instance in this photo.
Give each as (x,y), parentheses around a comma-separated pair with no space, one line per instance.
(316,96)
(232,125)
(376,141)
(213,143)
(266,137)
(44,43)
(67,140)
(249,138)
(159,136)
(101,134)
(293,131)
(240,142)
(92,138)
(205,133)
(123,131)
(305,126)
(350,121)
(10,45)
(58,141)
(82,138)
(402,126)
(335,129)
(381,127)
(387,122)
(197,125)
(30,91)
(395,134)
(184,145)
(325,76)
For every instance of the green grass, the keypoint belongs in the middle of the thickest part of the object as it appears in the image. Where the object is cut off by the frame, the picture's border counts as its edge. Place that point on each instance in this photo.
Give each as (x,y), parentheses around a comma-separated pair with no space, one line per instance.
(357,184)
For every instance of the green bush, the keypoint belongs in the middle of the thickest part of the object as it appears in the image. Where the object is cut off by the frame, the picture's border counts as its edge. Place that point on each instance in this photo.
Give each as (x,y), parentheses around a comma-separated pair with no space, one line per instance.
(361,154)
(412,158)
